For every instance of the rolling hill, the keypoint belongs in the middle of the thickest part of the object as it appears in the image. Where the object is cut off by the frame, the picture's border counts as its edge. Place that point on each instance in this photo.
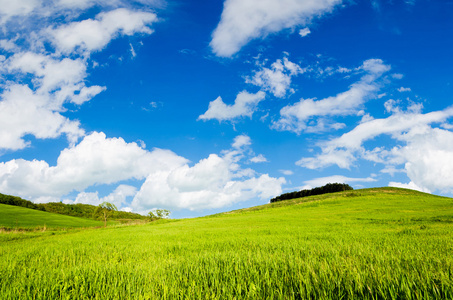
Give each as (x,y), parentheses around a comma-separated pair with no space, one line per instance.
(21,217)
(382,243)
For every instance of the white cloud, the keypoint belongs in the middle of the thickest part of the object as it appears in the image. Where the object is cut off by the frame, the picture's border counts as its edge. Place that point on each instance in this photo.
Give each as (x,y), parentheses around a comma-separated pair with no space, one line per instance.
(244,106)
(23,111)
(213,182)
(9,9)
(343,70)
(93,35)
(286,172)
(403,89)
(304,32)
(391,106)
(20,10)
(277,79)
(295,117)
(241,141)
(87,198)
(64,77)
(117,197)
(95,160)
(132,51)
(390,169)
(429,158)
(394,126)
(342,158)
(245,20)
(410,185)
(8,45)
(29,16)
(41,80)
(258,159)
(425,152)
(334,179)
(36,110)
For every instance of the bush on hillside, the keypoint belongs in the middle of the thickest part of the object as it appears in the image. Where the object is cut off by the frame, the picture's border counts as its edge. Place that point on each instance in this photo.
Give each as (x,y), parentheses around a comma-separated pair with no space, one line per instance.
(328,188)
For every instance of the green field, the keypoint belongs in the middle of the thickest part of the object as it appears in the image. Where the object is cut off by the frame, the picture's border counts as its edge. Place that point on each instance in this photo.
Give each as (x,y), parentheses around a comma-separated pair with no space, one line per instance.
(365,244)
(15,217)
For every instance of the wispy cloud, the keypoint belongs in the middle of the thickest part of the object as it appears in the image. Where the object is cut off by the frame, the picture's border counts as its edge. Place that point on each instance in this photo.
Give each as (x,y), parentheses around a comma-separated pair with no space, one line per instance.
(404,89)
(424,150)
(295,117)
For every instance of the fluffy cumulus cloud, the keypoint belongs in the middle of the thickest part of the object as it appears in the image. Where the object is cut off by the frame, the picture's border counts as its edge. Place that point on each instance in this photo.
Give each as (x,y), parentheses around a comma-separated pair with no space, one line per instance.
(214,182)
(117,197)
(22,112)
(277,78)
(245,20)
(429,158)
(35,107)
(297,116)
(95,160)
(304,32)
(94,34)
(42,80)
(423,149)
(244,105)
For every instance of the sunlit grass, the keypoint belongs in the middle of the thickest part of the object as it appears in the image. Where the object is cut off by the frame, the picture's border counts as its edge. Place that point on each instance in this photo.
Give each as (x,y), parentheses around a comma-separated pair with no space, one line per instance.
(15,217)
(367,244)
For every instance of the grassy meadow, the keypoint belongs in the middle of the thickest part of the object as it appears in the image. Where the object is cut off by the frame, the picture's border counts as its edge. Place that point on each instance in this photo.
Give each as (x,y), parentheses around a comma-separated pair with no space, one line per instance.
(365,244)
(16,217)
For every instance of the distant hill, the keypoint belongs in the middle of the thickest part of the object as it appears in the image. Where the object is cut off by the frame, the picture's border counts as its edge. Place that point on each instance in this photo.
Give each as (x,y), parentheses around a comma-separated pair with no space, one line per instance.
(75,210)
(21,217)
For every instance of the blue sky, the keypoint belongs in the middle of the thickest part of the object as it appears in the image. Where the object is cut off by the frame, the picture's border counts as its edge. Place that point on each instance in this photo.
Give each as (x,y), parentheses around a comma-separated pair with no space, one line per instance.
(207,106)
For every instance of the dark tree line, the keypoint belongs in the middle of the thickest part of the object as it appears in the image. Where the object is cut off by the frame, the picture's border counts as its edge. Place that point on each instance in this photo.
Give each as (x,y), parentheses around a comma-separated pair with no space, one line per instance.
(16,201)
(75,210)
(328,188)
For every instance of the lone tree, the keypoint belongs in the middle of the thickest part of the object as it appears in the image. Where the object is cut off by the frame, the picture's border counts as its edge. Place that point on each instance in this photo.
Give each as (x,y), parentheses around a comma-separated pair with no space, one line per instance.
(158,214)
(106,209)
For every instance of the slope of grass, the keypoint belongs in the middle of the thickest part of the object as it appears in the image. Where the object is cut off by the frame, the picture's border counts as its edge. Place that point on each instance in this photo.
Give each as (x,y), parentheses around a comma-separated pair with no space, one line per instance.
(80,210)
(366,244)
(23,218)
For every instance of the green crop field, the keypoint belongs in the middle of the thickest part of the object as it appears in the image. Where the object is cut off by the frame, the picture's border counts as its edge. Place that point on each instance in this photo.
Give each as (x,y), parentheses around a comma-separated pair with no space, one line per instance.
(365,244)
(13,217)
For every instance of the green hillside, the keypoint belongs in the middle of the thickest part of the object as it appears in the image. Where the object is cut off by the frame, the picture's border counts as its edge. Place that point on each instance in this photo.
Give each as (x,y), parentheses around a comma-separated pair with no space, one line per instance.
(80,210)
(21,217)
(365,244)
